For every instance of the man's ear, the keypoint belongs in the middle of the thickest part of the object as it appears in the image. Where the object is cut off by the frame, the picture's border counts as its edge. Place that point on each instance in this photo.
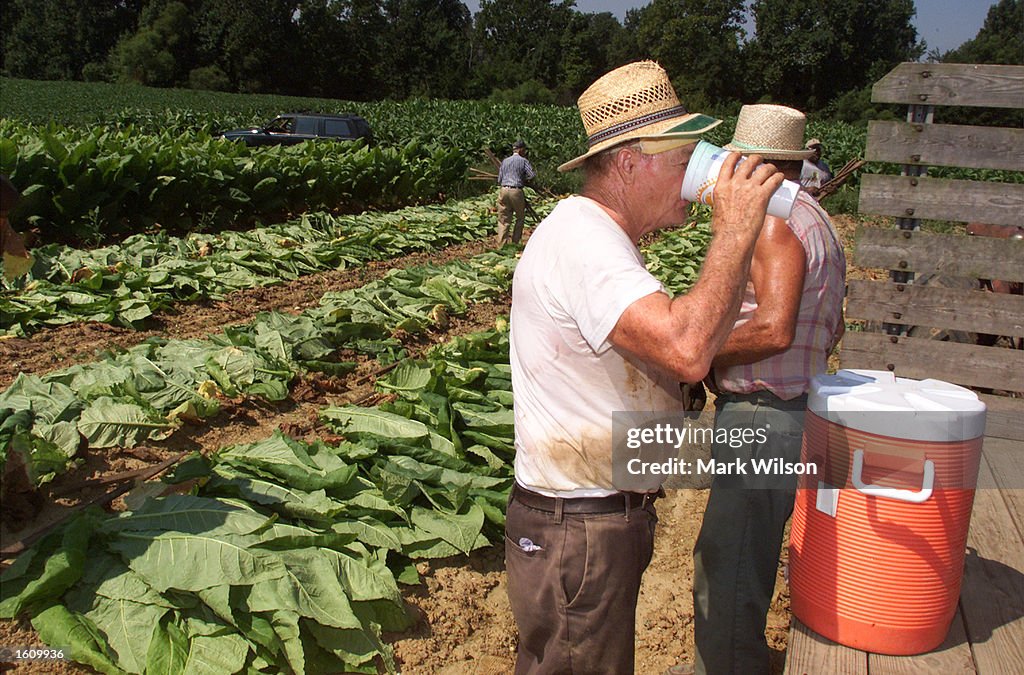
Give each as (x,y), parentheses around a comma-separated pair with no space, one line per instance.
(627,164)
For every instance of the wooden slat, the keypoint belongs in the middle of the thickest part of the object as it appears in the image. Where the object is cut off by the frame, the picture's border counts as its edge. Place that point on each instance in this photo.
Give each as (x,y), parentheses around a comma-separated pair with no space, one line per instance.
(810,654)
(986,86)
(946,145)
(992,595)
(936,307)
(947,254)
(939,199)
(952,657)
(920,358)
(1004,418)
(1006,459)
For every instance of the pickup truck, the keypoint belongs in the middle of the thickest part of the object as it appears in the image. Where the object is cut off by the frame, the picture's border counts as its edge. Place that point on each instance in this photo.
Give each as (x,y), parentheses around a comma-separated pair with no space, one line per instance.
(293,128)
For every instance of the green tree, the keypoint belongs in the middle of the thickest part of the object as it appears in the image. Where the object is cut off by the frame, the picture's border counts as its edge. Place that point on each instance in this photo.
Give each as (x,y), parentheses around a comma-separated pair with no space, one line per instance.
(1000,40)
(57,39)
(159,53)
(520,40)
(430,45)
(806,53)
(592,45)
(341,48)
(254,42)
(697,42)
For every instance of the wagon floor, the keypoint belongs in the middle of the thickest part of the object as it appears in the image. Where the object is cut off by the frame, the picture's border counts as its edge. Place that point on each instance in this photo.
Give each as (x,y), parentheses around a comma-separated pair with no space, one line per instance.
(987,633)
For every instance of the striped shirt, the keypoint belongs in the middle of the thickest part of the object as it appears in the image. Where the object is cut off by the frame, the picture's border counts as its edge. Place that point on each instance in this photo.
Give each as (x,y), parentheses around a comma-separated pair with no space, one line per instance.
(515,171)
(819,323)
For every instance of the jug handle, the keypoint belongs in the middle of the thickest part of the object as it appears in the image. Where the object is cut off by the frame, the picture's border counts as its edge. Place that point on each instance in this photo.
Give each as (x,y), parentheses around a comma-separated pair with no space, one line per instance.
(911,496)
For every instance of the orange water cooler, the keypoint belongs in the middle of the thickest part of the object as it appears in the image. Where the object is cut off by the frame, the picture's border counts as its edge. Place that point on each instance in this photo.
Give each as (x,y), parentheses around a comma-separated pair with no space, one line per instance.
(878,536)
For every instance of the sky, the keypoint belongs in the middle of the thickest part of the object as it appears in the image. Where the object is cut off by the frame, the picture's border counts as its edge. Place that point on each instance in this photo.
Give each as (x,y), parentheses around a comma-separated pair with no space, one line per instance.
(943,24)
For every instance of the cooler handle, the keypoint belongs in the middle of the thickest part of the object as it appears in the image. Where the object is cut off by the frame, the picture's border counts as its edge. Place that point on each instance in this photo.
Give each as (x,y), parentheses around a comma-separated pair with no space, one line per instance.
(893,493)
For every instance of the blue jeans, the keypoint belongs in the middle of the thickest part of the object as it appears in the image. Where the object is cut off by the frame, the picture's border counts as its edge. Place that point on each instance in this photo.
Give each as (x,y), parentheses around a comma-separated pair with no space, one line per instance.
(737,551)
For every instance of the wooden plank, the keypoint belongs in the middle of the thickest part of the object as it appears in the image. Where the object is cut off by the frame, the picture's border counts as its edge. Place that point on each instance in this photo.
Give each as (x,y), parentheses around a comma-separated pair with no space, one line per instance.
(940,199)
(948,254)
(810,654)
(953,656)
(1006,459)
(946,145)
(986,86)
(992,594)
(1005,418)
(937,307)
(920,358)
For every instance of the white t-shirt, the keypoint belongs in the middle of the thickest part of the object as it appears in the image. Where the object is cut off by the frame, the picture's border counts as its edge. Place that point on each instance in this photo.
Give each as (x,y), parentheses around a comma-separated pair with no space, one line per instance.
(578,273)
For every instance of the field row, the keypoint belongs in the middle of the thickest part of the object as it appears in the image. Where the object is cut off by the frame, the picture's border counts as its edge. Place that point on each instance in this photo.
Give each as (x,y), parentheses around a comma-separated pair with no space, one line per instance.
(125,284)
(82,185)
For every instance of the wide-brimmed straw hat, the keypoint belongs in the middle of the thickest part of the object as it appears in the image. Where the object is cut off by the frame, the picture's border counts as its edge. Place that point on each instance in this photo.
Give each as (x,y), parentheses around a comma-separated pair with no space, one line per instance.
(772,131)
(634,102)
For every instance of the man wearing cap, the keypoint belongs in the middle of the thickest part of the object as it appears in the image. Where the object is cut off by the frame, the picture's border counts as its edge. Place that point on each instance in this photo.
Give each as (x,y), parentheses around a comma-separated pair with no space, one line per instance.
(789,322)
(513,175)
(592,332)
(815,172)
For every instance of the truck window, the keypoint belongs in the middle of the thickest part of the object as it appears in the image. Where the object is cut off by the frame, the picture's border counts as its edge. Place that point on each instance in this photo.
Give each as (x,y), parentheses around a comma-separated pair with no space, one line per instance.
(337,128)
(306,125)
(282,125)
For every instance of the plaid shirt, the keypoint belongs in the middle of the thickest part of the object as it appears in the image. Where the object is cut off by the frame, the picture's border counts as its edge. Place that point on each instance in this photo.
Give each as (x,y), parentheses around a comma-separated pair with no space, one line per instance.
(819,323)
(515,171)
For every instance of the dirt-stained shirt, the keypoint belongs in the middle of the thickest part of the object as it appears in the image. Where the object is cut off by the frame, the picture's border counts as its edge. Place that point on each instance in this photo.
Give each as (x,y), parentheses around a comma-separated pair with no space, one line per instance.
(578,273)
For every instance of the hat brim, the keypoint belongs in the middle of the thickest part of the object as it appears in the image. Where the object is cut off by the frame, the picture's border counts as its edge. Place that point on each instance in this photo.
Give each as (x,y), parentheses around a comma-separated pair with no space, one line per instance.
(770,153)
(688,126)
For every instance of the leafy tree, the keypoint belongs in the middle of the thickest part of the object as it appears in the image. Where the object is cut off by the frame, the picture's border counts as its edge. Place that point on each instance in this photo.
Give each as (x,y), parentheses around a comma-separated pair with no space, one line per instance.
(697,42)
(520,40)
(56,39)
(341,47)
(255,42)
(428,48)
(806,53)
(592,45)
(1000,40)
(159,53)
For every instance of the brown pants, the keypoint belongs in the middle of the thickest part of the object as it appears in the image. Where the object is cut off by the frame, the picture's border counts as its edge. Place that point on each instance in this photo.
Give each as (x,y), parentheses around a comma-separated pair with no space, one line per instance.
(511,202)
(574,600)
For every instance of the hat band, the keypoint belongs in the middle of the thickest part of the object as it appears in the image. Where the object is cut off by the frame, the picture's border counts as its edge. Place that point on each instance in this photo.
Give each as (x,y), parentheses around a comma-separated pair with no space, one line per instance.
(623,127)
(755,148)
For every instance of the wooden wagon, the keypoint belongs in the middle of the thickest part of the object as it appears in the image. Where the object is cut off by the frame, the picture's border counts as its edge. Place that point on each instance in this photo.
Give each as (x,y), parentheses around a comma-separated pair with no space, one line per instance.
(905,318)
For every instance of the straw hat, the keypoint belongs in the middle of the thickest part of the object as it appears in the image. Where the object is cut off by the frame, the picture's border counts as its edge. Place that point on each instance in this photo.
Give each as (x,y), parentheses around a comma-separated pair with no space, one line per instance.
(634,102)
(772,131)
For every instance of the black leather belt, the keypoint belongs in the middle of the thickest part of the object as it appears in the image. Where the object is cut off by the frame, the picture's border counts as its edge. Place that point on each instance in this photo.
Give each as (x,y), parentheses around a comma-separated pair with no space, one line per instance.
(619,502)
(512,187)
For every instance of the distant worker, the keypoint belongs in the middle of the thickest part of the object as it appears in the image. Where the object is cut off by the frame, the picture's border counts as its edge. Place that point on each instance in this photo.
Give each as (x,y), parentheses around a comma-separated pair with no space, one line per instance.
(815,172)
(513,175)
(17,260)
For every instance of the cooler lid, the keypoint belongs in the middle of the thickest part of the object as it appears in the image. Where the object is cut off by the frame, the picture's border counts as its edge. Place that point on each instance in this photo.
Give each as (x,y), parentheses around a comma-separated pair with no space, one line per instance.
(878,402)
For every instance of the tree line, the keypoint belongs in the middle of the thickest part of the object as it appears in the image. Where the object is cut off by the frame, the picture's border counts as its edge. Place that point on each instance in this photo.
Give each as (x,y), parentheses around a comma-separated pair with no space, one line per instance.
(817,56)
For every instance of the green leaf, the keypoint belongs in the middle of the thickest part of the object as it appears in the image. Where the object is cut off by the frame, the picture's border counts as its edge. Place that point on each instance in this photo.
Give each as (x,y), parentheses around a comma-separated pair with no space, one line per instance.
(353,420)
(106,423)
(168,649)
(309,587)
(128,627)
(57,626)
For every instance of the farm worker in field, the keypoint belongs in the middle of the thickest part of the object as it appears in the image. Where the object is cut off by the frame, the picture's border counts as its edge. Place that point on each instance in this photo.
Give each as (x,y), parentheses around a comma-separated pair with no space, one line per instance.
(592,332)
(815,172)
(513,175)
(790,320)
(17,260)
